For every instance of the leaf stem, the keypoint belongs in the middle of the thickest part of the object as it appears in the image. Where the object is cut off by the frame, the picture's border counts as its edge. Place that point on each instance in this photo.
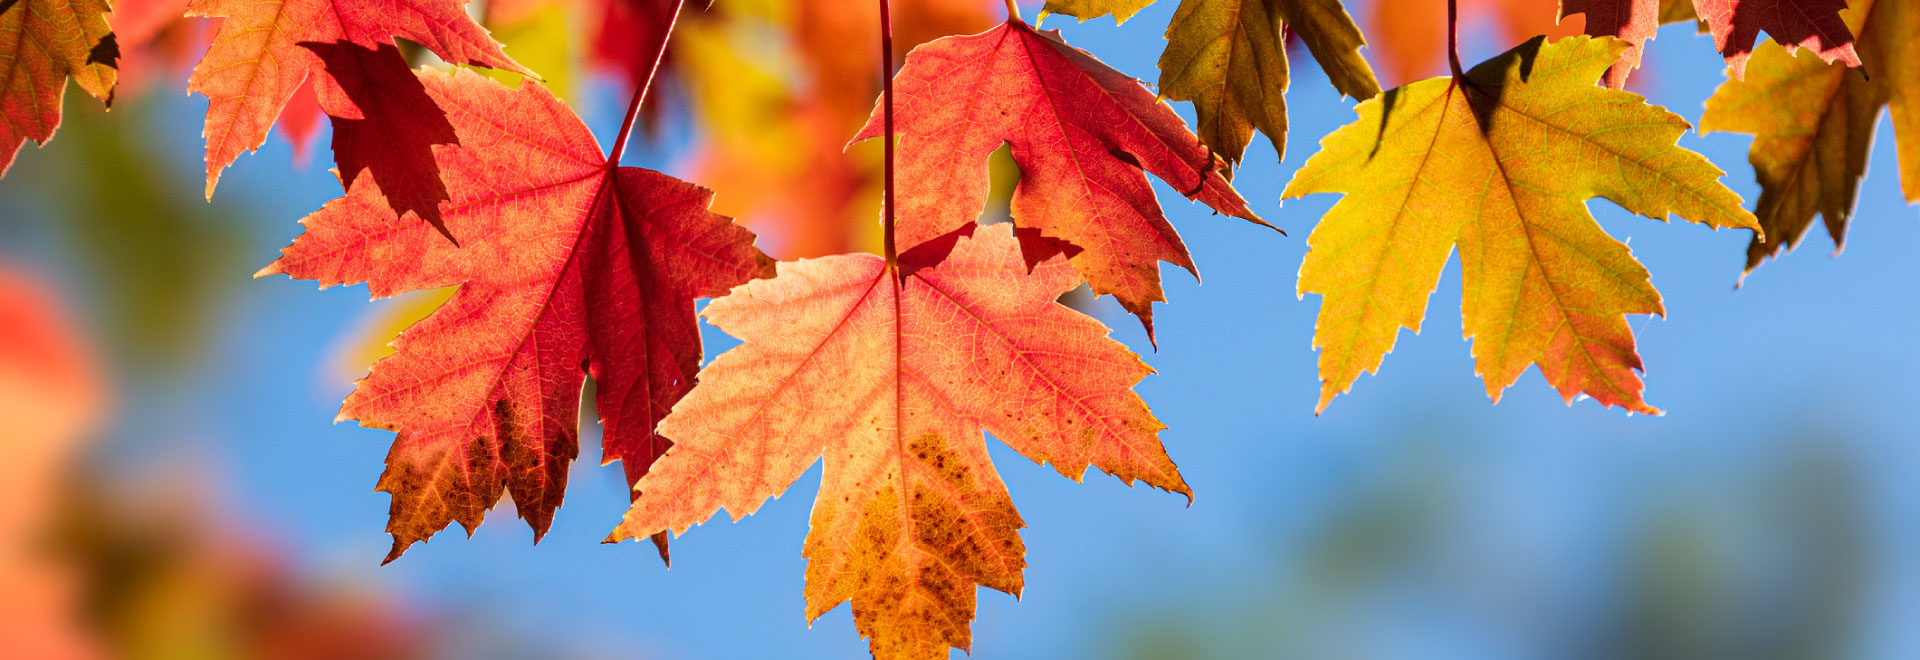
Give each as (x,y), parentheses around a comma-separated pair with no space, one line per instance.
(886,95)
(1013,12)
(640,91)
(1453,37)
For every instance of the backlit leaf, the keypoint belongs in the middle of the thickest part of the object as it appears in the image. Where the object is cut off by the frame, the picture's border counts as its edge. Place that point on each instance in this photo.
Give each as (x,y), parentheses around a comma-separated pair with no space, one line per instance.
(1813,124)
(1634,21)
(1501,164)
(256,61)
(1230,59)
(567,266)
(42,44)
(893,381)
(1810,24)
(1121,10)
(1084,136)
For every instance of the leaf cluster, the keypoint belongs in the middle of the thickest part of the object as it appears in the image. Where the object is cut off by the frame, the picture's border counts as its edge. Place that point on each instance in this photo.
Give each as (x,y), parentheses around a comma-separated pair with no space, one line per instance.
(564,265)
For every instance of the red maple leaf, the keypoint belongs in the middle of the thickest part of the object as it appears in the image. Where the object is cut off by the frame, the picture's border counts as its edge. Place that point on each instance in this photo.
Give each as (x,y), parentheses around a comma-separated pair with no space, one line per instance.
(384,125)
(568,265)
(1811,24)
(1634,21)
(256,61)
(1084,136)
(892,379)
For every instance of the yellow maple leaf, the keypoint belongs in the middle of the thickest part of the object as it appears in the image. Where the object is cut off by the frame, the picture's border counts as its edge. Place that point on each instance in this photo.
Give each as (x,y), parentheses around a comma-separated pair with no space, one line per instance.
(1086,9)
(1228,57)
(1813,123)
(1500,163)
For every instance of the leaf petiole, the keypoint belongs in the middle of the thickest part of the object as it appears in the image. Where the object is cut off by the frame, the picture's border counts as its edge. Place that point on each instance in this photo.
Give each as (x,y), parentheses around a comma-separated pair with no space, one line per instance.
(640,92)
(1453,38)
(886,95)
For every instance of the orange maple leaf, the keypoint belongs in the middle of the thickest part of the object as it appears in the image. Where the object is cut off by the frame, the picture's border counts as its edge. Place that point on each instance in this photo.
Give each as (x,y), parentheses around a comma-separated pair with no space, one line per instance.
(256,61)
(1084,136)
(892,379)
(42,43)
(568,266)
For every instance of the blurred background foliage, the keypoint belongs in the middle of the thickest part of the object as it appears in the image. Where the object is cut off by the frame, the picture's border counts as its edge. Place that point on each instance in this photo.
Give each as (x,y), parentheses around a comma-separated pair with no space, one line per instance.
(170,486)
(1772,563)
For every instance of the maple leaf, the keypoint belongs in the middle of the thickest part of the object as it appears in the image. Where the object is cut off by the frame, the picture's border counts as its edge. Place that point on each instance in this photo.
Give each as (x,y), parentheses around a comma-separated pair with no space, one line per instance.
(384,125)
(1810,24)
(1634,21)
(1082,134)
(1121,10)
(256,61)
(892,379)
(566,261)
(1230,60)
(1674,11)
(1500,164)
(42,44)
(1813,125)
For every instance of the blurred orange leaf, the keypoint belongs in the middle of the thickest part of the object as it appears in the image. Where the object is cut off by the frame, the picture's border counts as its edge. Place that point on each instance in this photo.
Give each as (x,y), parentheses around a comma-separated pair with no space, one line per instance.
(51,397)
(1409,38)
